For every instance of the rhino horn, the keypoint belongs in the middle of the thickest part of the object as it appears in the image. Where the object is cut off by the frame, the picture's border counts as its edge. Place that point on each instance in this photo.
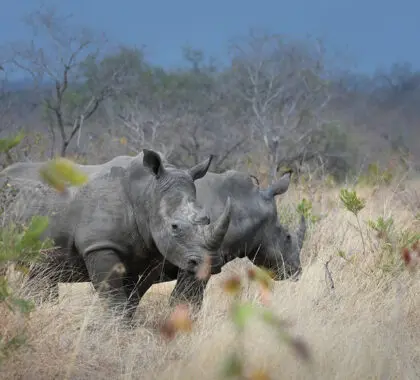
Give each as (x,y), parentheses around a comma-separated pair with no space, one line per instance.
(198,171)
(301,232)
(278,187)
(217,230)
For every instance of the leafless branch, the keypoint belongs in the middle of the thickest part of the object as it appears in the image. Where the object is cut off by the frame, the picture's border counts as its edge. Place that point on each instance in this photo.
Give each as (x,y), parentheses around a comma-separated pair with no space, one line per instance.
(328,275)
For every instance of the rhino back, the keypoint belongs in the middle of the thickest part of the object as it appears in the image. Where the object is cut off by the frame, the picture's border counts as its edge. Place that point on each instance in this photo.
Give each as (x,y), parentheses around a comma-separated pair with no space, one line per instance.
(30,170)
(24,170)
(23,199)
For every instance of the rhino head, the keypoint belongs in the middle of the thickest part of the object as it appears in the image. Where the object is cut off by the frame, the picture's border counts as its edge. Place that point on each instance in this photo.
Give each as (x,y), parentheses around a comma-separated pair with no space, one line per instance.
(280,247)
(179,227)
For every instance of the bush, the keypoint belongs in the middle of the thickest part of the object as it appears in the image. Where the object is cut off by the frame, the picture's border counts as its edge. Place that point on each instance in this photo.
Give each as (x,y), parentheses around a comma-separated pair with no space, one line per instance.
(21,247)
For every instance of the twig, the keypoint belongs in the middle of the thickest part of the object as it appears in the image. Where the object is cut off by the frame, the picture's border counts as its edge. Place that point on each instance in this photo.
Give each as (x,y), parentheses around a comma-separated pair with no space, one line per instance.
(328,276)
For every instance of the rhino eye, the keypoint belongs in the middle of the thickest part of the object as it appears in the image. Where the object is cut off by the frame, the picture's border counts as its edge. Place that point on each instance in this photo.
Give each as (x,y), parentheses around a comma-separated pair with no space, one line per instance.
(174,227)
(288,237)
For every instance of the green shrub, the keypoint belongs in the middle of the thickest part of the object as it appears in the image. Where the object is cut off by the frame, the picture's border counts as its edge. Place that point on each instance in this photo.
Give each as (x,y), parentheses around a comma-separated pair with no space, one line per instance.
(391,242)
(19,245)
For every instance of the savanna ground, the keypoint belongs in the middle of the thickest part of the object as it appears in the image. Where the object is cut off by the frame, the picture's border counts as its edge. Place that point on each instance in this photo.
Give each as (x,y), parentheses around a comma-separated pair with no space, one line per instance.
(359,315)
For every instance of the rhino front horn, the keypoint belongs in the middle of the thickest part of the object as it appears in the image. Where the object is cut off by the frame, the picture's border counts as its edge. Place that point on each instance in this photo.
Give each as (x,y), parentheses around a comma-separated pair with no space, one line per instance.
(218,229)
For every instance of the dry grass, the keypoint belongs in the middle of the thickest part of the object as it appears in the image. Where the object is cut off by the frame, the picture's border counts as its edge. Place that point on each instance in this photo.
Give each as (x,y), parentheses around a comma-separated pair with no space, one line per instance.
(367,327)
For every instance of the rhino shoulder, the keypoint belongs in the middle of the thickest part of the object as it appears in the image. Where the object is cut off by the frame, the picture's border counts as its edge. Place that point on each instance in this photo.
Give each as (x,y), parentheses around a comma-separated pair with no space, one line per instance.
(101,212)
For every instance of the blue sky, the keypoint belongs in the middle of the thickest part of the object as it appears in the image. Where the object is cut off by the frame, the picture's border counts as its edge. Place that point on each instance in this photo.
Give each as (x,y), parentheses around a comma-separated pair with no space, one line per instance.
(373,33)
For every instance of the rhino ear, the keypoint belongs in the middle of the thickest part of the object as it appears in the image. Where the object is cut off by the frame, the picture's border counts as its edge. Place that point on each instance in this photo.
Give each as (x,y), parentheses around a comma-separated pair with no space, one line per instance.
(198,171)
(153,162)
(277,188)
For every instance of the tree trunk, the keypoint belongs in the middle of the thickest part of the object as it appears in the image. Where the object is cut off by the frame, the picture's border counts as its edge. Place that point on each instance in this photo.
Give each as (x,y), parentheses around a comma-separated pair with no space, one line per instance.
(64,147)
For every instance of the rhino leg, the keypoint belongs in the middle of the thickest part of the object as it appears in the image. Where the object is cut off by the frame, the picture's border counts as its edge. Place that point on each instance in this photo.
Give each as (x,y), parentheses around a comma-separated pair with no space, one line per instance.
(133,295)
(107,274)
(136,287)
(188,289)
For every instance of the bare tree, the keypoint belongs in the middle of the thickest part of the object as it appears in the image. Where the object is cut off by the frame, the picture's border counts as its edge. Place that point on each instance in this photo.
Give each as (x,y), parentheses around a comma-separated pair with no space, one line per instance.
(145,128)
(59,53)
(281,83)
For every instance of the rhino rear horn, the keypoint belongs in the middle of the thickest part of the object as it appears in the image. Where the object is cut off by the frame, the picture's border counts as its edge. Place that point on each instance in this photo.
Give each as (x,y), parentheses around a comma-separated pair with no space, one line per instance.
(301,232)
(218,229)
(198,171)
(278,187)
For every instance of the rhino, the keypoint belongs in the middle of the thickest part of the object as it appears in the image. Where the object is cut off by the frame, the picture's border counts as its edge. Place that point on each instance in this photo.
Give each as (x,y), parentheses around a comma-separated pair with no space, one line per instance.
(126,222)
(254,231)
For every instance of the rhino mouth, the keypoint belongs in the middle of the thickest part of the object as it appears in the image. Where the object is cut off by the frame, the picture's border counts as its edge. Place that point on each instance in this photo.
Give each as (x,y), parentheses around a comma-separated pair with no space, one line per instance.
(196,264)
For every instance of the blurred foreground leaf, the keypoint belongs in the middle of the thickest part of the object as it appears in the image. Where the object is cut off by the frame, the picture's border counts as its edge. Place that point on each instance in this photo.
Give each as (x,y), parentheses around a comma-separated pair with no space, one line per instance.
(232,285)
(241,313)
(61,172)
(33,233)
(233,366)
(179,321)
(262,276)
(259,374)
(10,143)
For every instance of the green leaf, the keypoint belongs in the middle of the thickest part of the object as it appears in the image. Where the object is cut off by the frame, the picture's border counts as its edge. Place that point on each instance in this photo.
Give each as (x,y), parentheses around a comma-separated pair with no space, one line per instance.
(24,306)
(10,143)
(60,172)
(6,347)
(37,226)
(241,313)
(351,201)
(304,207)
(30,240)
(233,366)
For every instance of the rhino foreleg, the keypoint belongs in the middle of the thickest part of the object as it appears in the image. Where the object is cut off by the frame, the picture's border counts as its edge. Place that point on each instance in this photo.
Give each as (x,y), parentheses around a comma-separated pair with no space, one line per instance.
(188,289)
(109,278)
(136,287)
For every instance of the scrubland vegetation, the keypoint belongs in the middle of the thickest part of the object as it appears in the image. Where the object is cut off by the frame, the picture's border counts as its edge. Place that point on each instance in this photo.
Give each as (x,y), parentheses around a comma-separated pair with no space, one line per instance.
(351,141)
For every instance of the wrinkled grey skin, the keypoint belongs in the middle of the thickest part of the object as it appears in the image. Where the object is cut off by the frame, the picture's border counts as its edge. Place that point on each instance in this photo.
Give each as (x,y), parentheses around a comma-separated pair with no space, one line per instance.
(137,217)
(254,230)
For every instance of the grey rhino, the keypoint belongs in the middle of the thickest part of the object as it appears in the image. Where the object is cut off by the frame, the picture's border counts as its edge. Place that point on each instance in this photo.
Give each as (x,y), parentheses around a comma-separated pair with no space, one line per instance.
(254,231)
(125,222)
